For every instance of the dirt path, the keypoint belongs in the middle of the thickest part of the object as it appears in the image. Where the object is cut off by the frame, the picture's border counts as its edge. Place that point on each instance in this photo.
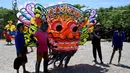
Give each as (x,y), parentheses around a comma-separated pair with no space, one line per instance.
(81,62)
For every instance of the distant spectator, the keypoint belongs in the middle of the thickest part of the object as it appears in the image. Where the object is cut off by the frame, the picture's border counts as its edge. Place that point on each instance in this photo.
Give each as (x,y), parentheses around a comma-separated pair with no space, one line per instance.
(117,42)
(7,36)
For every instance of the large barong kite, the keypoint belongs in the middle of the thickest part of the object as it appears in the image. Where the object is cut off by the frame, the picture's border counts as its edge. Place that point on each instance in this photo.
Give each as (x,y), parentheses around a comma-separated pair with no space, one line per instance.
(64,21)
(67,24)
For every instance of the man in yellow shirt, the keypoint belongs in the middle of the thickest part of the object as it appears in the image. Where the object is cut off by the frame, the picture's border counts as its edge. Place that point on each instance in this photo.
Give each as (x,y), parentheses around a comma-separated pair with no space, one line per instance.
(10,29)
(10,26)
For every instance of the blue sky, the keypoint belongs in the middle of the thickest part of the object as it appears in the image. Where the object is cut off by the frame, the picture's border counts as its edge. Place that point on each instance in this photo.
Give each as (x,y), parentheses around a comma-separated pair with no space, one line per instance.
(90,3)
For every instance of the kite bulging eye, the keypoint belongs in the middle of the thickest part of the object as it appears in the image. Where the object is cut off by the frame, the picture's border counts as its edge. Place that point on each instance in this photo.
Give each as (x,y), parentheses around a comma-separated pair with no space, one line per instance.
(75,29)
(58,28)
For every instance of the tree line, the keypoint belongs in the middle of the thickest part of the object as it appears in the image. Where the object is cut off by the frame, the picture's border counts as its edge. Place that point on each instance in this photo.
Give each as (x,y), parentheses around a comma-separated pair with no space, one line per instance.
(108,17)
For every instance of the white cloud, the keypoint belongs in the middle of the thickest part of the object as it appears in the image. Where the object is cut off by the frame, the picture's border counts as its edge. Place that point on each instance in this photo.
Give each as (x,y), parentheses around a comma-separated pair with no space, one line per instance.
(20,6)
(62,1)
(24,5)
(51,4)
(84,8)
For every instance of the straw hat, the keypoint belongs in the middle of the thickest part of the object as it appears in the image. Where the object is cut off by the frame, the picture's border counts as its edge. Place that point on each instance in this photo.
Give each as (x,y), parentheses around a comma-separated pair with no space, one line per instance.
(98,24)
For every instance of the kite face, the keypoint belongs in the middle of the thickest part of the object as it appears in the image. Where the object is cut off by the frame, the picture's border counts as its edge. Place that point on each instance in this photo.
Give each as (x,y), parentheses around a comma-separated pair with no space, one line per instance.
(64,23)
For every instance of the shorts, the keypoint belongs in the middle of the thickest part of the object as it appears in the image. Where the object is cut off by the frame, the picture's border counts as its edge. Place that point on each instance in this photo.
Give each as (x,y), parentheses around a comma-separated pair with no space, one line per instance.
(117,48)
(41,55)
(24,58)
(8,40)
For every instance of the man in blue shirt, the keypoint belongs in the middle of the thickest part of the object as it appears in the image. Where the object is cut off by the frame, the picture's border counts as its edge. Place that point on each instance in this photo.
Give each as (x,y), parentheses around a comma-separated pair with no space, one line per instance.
(20,45)
(19,41)
(117,43)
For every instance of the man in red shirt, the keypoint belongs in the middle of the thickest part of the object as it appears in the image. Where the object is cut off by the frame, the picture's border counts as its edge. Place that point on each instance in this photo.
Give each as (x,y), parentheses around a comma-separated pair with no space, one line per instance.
(42,47)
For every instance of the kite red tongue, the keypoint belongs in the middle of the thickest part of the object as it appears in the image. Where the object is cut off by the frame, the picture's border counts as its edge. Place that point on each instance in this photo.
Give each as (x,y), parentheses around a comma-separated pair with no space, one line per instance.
(64,45)
(65,49)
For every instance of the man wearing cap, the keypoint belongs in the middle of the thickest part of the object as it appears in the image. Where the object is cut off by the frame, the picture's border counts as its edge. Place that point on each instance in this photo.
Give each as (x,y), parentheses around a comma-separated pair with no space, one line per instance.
(96,43)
